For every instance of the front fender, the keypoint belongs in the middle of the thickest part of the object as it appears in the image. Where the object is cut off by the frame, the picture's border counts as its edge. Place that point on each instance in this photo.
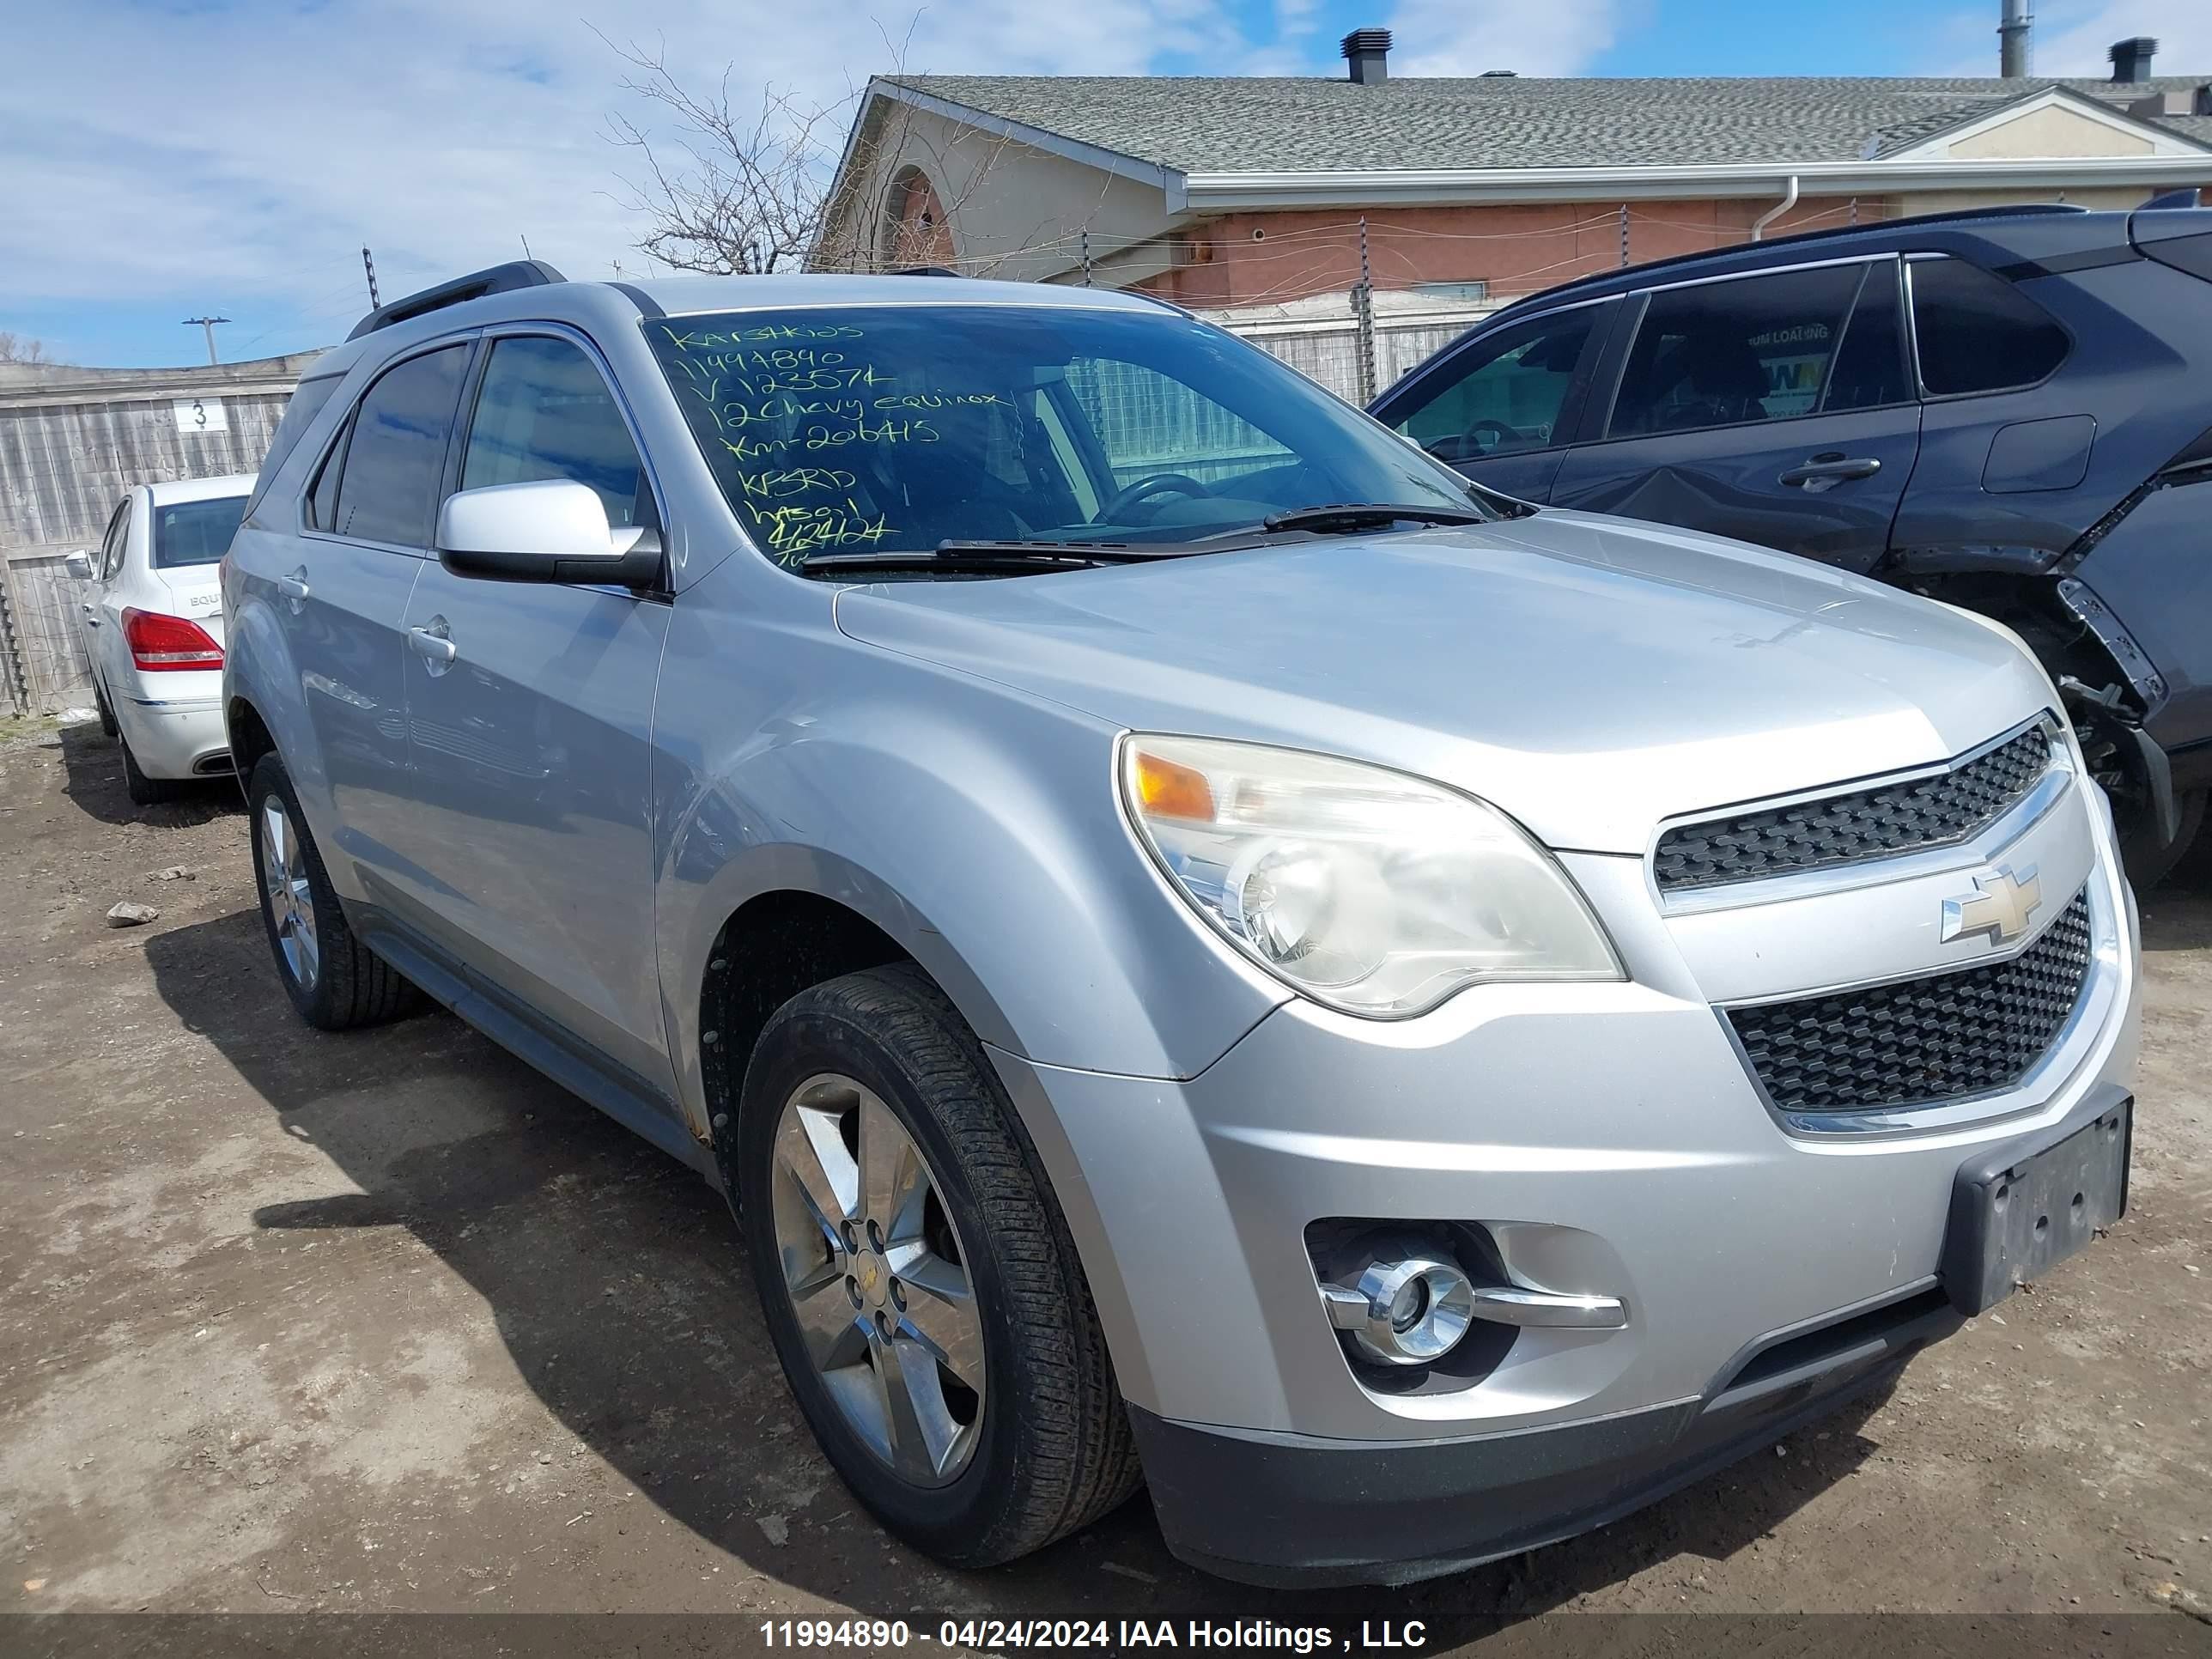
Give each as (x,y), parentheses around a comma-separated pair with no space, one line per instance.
(978,828)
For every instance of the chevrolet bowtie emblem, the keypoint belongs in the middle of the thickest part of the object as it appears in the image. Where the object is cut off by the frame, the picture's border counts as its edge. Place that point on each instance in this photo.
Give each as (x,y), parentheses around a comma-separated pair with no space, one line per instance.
(2001,910)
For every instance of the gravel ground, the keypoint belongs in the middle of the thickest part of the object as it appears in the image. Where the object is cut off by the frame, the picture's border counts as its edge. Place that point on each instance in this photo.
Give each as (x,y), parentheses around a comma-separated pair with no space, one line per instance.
(294,1323)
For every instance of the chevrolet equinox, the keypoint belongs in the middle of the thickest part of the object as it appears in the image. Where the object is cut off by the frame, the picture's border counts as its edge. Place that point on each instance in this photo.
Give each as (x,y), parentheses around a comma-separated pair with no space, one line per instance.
(1205,950)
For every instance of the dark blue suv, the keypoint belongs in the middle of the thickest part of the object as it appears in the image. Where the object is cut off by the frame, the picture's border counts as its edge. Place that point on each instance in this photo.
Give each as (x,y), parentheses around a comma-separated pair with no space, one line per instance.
(2009,409)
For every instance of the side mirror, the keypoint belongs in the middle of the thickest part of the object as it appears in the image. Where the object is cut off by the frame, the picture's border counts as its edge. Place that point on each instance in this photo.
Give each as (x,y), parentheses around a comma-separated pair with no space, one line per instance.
(78,564)
(552,530)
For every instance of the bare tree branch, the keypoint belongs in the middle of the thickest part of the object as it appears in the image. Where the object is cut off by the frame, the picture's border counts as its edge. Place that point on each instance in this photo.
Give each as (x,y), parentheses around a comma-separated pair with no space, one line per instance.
(21,349)
(736,185)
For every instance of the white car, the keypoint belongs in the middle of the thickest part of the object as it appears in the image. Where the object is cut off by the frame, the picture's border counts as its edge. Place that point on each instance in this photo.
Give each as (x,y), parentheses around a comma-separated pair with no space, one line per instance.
(153,627)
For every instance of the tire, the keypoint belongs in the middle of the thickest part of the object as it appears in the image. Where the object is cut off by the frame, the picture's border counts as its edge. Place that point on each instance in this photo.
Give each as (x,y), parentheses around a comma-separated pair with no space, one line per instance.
(2147,862)
(335,981)
(1048,1448)
(146,791)
(106,713)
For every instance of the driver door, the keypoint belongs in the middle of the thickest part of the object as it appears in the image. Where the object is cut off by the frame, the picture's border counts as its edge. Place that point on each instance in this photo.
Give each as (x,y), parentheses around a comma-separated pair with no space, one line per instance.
(1502,406)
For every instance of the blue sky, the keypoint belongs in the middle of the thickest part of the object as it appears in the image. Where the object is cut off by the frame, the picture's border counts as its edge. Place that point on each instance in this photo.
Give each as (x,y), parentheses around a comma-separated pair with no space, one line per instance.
(229,157)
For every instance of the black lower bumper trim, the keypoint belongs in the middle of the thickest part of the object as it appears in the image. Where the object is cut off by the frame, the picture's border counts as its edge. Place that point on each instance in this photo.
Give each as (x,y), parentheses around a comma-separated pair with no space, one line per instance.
(1288,1510)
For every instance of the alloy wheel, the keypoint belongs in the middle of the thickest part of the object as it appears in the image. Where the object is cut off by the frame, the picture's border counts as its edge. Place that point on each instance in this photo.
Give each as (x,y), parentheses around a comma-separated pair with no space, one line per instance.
(286,890)
(878,1279)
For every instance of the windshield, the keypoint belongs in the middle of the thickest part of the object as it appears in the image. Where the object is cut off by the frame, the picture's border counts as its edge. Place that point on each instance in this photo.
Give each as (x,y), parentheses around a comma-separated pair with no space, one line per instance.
(195,532)
(898,428)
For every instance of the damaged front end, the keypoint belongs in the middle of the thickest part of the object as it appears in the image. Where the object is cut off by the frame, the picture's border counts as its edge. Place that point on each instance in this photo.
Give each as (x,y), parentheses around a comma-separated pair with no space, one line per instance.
(2139,690)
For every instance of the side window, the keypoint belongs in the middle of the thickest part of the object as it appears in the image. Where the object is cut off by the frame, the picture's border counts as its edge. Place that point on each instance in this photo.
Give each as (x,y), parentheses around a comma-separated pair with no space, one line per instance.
(1508,393)
(544,412)
(118,537)
(308,400)
(1977,332)
(397,457)
(1869,371)
(1724,353)
(323,494)
(111,544)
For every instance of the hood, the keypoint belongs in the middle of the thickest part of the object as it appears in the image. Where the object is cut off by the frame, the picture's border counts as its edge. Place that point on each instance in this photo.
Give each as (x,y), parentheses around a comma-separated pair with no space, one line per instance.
(1587,675)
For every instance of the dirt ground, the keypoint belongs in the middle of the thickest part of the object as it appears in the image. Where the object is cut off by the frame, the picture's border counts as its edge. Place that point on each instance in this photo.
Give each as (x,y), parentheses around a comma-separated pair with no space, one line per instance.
(386,1322)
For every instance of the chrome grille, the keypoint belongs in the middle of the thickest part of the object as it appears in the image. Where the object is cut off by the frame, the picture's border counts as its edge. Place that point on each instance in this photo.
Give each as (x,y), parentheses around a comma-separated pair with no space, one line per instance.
(1847,828)
(1920,1042)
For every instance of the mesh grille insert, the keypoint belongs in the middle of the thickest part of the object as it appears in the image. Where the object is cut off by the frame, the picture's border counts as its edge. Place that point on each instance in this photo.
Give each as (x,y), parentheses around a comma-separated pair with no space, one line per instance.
(1866,824)
(1920,1042)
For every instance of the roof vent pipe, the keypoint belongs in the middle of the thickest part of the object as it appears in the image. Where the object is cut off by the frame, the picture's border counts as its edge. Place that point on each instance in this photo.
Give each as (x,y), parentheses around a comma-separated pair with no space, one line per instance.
(1368,52)
(2131,60)
(2012,60)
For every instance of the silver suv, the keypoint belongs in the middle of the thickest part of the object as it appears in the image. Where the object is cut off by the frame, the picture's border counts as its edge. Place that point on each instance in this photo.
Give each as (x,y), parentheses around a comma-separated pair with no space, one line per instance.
(1203,949)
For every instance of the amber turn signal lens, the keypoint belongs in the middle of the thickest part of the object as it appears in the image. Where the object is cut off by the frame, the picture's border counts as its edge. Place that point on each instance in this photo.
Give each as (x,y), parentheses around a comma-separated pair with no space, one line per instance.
(1169,791)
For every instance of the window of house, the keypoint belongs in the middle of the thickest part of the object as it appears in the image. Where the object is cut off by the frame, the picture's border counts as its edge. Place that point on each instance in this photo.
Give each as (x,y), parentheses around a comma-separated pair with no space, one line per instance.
(544,412)
(1506,393)
(1724,353)
(1977,332)
(396,456)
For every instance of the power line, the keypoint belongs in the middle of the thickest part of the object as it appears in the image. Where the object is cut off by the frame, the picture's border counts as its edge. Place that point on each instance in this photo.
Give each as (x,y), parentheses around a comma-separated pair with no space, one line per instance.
(207,322)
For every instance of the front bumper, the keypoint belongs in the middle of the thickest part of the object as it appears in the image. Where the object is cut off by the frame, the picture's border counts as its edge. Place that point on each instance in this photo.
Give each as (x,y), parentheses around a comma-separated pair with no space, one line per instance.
(1610,1139)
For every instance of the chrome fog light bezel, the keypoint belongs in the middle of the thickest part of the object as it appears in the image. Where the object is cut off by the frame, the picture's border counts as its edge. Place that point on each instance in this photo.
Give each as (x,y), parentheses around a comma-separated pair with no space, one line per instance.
(1371,1312)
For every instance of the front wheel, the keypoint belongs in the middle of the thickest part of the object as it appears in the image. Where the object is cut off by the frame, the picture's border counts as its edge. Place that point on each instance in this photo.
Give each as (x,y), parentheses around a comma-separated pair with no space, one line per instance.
(917,1278)
(335,981)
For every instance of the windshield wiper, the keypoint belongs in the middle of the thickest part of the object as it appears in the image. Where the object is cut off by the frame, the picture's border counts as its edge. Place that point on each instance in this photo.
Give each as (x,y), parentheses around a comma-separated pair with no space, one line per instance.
(994,557)
(1372,515)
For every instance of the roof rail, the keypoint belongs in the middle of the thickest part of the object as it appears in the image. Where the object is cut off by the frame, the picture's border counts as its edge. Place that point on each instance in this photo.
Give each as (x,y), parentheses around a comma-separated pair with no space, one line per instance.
(2022,210)
(925,270)
(497,279)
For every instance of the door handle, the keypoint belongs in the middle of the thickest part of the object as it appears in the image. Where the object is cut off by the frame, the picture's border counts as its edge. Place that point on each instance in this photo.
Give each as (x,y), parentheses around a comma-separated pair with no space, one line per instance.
(1831,469)
(294,586)
(431,642)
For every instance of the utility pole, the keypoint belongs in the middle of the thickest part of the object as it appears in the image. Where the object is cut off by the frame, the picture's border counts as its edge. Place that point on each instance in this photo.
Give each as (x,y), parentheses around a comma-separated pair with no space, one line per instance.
(207,322)
(369,265)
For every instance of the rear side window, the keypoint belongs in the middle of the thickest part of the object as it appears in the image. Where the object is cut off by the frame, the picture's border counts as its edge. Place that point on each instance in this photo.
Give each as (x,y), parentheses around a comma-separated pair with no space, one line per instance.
(1977,332)
(195,532)
(1508,393)
(119,532)
(308,400)
(1725,353)
(396,456)
(544,412)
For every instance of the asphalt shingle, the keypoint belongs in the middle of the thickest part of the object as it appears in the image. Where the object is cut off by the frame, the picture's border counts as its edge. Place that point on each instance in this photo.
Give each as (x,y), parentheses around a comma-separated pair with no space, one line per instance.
(1205,123)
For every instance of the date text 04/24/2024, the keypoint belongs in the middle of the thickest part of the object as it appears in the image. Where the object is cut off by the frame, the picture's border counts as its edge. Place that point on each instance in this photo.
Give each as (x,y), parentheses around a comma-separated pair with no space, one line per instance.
(1248,1635)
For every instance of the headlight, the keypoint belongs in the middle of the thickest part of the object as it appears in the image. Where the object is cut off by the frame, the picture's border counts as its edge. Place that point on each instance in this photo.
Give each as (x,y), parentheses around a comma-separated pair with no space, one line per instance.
(1369,891)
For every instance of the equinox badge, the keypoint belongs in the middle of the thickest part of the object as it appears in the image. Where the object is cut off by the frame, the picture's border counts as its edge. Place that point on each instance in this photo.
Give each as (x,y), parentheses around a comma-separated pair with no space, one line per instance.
(2001,910)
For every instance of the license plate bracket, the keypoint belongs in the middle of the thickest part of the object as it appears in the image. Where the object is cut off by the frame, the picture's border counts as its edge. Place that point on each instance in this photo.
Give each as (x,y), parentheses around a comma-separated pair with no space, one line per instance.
(2021,1207)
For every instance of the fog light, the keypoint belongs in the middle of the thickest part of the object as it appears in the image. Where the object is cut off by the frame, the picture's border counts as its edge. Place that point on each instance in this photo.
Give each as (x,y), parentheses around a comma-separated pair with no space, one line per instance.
(1405,1311)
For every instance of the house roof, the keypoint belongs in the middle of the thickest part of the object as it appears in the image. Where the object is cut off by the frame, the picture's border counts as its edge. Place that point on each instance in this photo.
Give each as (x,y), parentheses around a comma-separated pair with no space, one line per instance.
(1215,123)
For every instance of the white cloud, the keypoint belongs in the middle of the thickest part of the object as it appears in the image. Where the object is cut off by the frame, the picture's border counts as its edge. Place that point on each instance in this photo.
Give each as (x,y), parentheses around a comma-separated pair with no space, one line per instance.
(2074,38)
(247,152)
(1531,37)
